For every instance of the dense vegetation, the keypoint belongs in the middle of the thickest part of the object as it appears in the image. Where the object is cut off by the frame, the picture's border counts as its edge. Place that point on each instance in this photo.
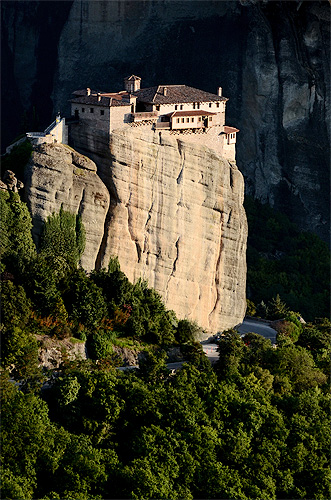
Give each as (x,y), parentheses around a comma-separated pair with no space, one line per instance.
(283,260)
(255,426)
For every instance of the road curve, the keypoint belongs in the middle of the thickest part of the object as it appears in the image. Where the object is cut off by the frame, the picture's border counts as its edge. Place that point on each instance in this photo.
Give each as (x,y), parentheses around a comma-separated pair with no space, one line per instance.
(253,326)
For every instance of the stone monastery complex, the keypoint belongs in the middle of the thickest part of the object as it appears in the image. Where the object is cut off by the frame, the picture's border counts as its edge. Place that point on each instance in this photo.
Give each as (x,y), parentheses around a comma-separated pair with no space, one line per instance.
(167,109)
(196,115)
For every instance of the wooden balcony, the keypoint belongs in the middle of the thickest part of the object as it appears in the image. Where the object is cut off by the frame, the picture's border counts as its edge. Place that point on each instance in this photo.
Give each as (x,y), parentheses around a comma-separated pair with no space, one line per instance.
(145,115)
(162,126)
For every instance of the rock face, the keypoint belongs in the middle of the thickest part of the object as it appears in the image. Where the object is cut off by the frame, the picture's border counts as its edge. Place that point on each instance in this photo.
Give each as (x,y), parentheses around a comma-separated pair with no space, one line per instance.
(272,59)
(176,219)
(52,352)
(58,175)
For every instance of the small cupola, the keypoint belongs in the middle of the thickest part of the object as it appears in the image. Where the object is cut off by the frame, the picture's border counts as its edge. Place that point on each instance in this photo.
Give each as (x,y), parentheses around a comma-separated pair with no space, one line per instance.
(132,83)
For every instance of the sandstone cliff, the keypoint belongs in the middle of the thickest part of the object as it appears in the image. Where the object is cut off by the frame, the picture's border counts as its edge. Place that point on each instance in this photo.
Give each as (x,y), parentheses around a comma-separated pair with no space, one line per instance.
(175,216)
(272,59)
(58,175)
(176,219)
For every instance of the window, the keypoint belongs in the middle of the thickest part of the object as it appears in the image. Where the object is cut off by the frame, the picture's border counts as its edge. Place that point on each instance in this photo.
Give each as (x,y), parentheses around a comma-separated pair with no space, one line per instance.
(217,105)
(210,118)
(194,105)
(83,110)
(210,104)
(181,106)
(102,111)
(183,119)
(198,105)
(158,107)
(176,107)
(187,119)
(199,118)
(91,110)
(192,119)
(177,120)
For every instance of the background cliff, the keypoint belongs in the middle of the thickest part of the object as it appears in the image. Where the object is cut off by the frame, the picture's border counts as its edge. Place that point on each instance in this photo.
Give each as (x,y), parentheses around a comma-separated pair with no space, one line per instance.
(272,59)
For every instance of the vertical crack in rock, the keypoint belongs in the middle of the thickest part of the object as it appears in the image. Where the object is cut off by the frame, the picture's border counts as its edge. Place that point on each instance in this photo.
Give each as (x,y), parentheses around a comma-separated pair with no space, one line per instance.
(104,240)
(217,272)
(229,217)
(146,229)
(231,178)
(182,155)
(132,236)
(81,203)
(174,266)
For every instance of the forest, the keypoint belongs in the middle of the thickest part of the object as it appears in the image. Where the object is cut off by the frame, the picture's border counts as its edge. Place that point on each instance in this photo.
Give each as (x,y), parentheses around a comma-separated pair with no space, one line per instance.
(256,425)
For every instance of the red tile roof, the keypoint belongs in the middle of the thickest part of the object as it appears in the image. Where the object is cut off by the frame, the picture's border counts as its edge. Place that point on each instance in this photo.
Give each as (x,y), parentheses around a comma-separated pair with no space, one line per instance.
(230,130)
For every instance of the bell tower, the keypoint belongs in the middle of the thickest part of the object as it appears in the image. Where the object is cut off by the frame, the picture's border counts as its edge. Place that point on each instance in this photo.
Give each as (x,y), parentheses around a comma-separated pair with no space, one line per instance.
(132,83)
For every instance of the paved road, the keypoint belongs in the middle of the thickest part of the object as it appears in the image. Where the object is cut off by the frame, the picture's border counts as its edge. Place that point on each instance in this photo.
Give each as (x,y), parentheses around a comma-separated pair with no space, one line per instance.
(259,327)
(210,349)
(210,352)
(247,326)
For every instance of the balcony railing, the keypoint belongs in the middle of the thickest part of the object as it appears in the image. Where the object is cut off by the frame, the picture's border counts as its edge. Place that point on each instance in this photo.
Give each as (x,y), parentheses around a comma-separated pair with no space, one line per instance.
(162,125)
(145,115)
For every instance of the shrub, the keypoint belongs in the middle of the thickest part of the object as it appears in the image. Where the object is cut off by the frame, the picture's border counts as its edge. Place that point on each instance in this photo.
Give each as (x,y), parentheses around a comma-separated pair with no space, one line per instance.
(251,309)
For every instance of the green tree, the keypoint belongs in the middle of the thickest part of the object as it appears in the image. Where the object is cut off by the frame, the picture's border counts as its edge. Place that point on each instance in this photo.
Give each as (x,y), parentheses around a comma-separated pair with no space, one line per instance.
(15,306)
(63,238)
(187,331)
(276,308)
(84,300)
(299,366)
(16,244)
(231,350)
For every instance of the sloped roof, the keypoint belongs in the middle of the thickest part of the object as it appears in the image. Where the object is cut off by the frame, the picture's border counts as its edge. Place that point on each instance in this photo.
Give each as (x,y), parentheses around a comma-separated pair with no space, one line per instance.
(132,77)
(230,130)
(104,101)
(175,94)
(84,92)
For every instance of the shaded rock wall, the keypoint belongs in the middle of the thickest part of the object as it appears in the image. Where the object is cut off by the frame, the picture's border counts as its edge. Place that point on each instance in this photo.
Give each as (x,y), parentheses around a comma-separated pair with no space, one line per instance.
(271,58)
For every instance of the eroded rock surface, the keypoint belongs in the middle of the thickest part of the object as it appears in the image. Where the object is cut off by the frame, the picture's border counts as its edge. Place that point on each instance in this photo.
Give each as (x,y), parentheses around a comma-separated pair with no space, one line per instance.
(175,216)
(176,219)
(52,352)
(58,175)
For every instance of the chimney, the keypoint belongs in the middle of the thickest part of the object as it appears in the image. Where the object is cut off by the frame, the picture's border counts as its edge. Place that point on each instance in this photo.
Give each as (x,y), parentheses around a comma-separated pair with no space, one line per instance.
(219,91)
(99,96)
(88,91)
(165,91)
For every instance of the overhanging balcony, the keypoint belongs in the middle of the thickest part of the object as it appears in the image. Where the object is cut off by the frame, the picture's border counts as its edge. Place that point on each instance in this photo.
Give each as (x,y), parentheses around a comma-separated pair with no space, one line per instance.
(144,115)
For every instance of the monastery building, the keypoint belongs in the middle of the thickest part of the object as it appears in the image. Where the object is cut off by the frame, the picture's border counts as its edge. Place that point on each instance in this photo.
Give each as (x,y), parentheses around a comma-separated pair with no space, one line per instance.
(196,115)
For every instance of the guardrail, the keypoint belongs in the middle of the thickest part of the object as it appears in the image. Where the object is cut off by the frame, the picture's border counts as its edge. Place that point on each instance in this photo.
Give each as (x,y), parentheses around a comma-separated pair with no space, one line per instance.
(50,127)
